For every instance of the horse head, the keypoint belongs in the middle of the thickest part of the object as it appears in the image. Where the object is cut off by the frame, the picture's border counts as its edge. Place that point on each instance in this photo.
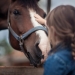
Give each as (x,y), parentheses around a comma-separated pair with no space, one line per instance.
(33,42)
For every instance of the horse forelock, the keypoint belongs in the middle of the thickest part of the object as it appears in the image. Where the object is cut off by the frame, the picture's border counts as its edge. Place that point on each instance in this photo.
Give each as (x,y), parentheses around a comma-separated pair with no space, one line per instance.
(28,3)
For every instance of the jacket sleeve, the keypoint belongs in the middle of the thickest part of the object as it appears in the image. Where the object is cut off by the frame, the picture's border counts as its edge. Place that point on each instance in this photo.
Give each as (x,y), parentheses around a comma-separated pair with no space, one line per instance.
(54,66)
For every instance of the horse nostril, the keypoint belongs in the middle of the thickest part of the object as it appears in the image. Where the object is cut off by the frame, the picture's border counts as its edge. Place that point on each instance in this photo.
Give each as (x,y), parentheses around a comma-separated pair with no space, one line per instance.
(44,15)
(38,52)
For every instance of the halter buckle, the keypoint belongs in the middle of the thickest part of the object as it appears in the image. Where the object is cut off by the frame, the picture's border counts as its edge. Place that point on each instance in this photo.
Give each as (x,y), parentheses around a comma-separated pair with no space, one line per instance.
(20,41)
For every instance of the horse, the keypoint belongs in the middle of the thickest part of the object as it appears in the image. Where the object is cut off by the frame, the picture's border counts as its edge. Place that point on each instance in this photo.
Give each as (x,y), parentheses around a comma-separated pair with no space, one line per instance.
(25,33)
(4,5)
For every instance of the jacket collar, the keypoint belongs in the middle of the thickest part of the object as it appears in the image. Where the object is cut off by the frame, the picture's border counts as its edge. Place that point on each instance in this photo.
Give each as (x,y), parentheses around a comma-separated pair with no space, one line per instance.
(59,47)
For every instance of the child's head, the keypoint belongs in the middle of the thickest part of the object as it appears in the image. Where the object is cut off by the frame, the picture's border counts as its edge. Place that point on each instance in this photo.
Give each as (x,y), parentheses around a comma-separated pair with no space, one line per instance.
(61,24)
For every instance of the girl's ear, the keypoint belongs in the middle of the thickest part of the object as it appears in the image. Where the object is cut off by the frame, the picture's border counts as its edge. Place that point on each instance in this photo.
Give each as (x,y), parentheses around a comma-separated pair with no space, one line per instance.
(52,29)
(52,33)
(52,36)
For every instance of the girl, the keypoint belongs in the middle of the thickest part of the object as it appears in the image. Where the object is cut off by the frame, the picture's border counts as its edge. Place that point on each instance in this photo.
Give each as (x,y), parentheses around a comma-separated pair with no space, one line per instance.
(61,28)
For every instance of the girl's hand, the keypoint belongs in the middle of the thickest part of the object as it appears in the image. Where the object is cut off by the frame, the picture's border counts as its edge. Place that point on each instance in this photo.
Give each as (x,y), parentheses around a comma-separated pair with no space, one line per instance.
(39,19)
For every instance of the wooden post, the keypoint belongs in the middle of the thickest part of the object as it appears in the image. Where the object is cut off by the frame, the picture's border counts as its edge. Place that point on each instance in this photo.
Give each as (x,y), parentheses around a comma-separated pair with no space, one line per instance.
(21,71)
(48,5)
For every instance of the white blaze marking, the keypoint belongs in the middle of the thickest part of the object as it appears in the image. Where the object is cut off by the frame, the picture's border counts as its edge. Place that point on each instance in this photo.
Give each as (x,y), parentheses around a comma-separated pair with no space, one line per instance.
(41,33)
(44,44)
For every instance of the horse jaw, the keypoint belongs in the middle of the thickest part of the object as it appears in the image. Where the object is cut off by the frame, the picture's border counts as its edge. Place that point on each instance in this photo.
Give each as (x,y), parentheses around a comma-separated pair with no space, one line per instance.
(44,44)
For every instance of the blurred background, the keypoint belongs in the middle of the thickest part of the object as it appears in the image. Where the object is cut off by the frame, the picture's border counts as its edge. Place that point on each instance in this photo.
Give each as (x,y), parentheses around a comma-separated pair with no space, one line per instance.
(11,57)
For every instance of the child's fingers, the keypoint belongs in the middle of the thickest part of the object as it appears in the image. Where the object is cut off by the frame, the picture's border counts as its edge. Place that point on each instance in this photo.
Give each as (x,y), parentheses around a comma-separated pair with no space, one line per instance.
(37,16)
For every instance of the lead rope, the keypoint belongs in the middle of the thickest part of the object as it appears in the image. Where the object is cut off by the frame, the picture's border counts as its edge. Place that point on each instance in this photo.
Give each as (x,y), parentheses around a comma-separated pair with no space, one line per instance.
(27,54)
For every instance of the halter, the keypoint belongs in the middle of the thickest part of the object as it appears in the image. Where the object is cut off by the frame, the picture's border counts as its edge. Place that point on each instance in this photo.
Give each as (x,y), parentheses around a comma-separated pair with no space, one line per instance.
(23,37)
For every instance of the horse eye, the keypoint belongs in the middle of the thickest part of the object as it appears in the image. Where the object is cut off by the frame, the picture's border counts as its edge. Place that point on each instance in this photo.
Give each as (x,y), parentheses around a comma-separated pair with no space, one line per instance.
(16,12)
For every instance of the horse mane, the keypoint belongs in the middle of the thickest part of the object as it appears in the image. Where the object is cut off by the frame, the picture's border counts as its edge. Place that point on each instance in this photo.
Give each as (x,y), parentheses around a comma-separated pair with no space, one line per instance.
(4,4)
